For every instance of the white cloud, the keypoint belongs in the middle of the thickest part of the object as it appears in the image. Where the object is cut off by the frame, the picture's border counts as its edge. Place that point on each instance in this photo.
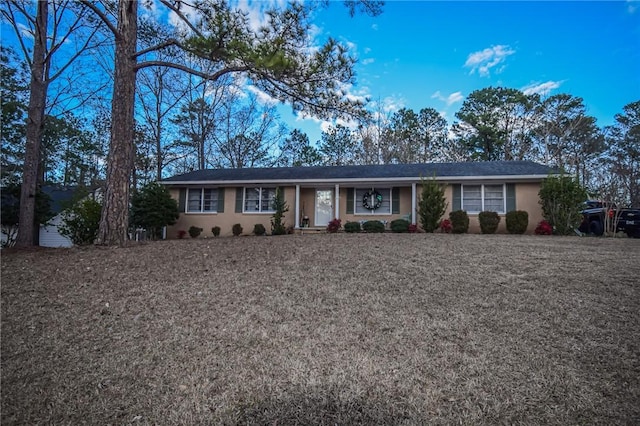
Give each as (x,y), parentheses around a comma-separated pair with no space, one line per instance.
(326,125)
(263,97)
(391,104)
(450,99)
(632,6)
(483,60)
(150,9)
(368,61)
(348,91)
(541,88)
(374,27)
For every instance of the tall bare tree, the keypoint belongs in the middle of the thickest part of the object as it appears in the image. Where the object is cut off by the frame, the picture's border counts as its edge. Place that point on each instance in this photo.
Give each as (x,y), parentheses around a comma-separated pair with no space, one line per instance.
(275,57)
(160,90)
(247,134)
(50,27)
(567,137)
(624,153)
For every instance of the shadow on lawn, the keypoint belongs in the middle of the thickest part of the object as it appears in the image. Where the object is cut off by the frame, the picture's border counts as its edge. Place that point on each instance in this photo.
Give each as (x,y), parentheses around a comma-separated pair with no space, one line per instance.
(321,406)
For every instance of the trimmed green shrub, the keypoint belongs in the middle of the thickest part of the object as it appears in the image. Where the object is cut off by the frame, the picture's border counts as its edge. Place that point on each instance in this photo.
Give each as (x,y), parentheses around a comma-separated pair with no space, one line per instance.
(373,226)
(259,229)
(459,222)
(194,231)
(236,229)
(215,231)
(334,226)
(488,222)
(517,221)
(431,205)
(400,225)
(352,227)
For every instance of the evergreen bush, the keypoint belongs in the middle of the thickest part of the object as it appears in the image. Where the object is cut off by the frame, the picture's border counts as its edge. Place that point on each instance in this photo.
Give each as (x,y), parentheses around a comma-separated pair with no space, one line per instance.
(459,222)
(277,221)
(352,227)
(194,231)
(80,223)
(432,204)
(400,225)
(517,221)
(152,208)
(259,229)
(373,226)
(562,199)
(236,229)
(489,222)
(215,231)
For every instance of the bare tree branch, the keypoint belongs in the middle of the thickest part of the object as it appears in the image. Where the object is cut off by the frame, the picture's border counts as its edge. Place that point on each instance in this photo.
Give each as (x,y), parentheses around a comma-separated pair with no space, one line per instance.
(103,17)
(171,5)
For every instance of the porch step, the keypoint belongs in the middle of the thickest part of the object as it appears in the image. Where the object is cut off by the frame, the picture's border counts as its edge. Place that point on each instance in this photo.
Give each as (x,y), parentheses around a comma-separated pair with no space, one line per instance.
(302,231)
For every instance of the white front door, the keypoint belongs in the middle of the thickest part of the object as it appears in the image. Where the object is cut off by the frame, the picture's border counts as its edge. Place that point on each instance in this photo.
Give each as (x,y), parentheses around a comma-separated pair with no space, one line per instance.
(324,207)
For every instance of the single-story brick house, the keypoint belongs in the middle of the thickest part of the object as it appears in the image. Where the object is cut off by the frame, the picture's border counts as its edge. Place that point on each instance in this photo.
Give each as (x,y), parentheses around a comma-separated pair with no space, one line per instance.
(316,195)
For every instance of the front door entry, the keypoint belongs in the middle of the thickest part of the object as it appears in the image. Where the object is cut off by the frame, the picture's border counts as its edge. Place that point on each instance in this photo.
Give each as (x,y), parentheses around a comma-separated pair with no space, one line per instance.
(324,207)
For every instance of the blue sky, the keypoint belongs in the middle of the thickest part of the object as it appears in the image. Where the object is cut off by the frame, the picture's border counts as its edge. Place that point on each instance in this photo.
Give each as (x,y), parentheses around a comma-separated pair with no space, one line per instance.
(421,54)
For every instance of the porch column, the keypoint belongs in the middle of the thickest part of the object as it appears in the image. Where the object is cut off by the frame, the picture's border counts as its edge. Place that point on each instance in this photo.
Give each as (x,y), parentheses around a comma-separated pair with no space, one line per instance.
(296,219)
(413,203)
(337,196)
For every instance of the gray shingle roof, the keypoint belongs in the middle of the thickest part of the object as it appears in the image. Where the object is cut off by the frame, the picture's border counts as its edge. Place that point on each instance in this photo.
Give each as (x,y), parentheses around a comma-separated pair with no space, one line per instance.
(507,169)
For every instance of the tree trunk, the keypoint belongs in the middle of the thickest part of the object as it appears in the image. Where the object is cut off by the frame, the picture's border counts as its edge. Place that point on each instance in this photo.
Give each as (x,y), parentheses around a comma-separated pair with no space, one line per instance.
(114,222)
(35,124)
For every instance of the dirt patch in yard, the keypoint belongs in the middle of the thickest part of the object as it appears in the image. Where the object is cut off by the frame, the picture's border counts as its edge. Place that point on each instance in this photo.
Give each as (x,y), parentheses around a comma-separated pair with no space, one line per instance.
(324,329)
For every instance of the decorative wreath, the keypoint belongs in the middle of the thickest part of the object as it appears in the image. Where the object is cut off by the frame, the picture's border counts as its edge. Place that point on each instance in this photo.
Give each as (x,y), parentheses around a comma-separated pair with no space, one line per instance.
(372,200)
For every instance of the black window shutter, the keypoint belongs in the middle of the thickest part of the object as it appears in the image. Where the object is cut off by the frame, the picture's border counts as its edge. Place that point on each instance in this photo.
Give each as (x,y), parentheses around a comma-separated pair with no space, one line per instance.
(239,193)
(182,200)
(511,197)
(220,200)
(457,197)
(395,200)
(350,195)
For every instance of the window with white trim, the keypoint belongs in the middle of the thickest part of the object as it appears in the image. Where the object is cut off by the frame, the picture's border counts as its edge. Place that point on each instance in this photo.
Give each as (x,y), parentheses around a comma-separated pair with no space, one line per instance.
(477,198)
(259,200)
(202,200)
(385,204)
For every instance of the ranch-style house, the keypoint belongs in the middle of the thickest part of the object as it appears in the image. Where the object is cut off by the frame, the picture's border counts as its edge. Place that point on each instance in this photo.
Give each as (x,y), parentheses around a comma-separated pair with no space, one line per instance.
(316,195)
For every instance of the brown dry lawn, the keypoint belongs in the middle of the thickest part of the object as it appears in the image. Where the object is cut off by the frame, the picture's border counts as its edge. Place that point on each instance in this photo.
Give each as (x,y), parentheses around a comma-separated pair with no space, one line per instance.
(324,329)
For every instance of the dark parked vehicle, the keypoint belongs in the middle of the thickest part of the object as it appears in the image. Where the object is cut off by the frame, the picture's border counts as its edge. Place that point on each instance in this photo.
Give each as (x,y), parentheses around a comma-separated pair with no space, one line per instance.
(599,216)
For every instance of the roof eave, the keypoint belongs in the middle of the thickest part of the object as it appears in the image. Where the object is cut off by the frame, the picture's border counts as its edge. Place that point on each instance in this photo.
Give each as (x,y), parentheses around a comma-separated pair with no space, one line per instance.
(406,180)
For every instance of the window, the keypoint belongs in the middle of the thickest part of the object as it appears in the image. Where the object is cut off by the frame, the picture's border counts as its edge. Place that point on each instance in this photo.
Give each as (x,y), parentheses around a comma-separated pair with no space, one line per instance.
(477,198)
(385,205)
(202,200)
(259,200)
